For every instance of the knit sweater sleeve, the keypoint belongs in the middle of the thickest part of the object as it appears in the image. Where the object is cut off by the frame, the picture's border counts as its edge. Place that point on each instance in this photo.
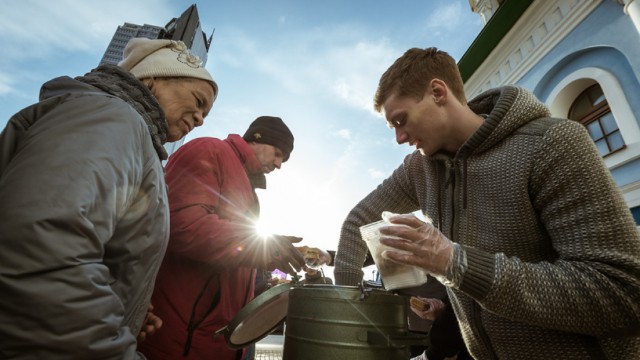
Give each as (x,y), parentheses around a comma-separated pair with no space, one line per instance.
(395,194)
(593,284)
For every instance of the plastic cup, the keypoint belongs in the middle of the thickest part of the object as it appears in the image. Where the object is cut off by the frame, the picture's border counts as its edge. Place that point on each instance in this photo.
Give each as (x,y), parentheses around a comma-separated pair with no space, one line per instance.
(394,275)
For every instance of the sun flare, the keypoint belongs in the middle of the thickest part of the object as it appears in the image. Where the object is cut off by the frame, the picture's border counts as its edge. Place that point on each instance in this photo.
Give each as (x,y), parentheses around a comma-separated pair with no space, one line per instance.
(263,229)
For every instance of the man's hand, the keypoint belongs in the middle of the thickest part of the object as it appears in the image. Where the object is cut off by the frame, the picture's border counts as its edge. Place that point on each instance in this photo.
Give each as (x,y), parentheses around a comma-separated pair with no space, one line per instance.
(151,324)
(282,255)
(426,308)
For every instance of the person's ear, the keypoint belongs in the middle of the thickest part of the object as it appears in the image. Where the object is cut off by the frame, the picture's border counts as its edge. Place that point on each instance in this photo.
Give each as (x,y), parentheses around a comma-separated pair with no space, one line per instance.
(149,82)
(439,91)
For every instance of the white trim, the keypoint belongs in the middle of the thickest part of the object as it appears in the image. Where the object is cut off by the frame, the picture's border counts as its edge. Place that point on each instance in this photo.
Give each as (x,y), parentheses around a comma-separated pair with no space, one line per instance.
(565,92)
(632,8)
(543,25)
(627,4)
(631,194)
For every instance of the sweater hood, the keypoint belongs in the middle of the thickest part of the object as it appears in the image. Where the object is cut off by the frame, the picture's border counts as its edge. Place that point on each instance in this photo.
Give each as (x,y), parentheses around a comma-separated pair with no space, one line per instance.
(507,108)
(121,84)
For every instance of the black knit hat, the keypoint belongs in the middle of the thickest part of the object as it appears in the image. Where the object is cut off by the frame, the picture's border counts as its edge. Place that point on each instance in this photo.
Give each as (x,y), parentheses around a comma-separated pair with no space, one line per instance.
(273,131)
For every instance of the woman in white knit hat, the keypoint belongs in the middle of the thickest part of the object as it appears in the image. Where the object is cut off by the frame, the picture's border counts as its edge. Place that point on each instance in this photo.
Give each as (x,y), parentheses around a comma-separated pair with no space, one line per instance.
(84,212)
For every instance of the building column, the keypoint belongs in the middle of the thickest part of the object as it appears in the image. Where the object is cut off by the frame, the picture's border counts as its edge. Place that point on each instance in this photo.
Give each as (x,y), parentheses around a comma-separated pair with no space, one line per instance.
(632,8)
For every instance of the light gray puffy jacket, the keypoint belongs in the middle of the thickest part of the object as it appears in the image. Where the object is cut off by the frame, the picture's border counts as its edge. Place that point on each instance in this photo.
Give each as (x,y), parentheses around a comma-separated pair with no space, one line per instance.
(83,218)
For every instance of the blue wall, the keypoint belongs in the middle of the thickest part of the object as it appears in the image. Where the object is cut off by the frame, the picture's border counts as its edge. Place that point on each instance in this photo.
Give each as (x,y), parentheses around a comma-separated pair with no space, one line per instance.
(607,33)
(608,40)
(627,173)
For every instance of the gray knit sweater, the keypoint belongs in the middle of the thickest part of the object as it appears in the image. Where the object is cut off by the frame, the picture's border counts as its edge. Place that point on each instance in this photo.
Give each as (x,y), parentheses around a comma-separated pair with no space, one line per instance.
(553,252)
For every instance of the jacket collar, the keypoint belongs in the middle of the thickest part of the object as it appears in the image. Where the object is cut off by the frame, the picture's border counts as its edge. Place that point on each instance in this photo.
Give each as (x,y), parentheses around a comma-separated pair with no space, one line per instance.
(120,83)
(249,160)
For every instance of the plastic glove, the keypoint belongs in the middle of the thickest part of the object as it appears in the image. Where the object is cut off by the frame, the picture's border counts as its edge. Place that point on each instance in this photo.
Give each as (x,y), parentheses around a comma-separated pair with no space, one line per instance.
(428,248)
(314,258)
(282,255)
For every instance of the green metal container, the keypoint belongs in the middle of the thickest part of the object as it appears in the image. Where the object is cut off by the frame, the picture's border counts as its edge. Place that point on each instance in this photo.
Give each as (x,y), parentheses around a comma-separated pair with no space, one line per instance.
(338,322)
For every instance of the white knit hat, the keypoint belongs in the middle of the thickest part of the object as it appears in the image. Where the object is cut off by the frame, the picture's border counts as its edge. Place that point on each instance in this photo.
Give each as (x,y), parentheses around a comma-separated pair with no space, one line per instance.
(163,58)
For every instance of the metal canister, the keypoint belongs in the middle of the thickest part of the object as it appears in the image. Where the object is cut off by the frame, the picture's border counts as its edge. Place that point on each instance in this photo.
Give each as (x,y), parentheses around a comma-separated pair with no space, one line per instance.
(339,322)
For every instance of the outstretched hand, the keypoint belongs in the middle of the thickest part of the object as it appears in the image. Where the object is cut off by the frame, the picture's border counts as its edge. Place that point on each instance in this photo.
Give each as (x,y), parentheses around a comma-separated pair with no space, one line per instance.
(283,255)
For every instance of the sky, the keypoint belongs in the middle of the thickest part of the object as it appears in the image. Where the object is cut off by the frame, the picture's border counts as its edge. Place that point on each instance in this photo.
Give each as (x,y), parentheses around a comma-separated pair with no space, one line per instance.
(315,64)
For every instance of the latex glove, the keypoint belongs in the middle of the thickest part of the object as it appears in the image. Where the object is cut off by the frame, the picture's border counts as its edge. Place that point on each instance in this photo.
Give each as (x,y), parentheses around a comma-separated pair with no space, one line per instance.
(431,308)
(151,324)
(282,255)
(428,248)
(314,258)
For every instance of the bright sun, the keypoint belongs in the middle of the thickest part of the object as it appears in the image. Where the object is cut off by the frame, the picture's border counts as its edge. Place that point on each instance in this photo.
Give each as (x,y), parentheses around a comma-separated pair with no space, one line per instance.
(263,229)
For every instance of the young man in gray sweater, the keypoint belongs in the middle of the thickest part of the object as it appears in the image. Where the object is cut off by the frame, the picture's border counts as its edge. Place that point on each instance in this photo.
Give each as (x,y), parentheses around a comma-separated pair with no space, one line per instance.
(529,232)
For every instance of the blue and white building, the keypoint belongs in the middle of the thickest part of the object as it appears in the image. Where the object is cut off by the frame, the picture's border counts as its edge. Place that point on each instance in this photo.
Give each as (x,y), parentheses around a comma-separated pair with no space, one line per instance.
(581,58)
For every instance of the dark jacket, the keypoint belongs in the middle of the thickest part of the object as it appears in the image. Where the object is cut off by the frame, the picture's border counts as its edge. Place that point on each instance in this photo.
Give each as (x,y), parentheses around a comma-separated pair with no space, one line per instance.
(553,252)
(84,218)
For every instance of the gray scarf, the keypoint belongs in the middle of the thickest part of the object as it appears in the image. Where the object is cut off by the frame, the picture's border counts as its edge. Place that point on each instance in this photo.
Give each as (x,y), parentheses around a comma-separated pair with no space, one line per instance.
(120,83)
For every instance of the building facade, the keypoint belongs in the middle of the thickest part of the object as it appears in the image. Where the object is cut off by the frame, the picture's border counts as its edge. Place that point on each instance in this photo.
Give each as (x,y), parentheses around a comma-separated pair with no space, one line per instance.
(123,34)
(581,58)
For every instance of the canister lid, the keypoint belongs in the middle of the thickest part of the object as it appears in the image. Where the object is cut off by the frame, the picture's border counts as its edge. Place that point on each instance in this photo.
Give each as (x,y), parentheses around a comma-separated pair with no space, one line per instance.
(259,317)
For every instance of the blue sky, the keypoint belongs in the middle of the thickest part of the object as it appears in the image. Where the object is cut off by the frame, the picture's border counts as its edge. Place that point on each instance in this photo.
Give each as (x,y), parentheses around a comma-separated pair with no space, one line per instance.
(316,64)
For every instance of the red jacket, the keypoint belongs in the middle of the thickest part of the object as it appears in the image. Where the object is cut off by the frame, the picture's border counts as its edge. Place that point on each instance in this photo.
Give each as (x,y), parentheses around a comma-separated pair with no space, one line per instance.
(213,206)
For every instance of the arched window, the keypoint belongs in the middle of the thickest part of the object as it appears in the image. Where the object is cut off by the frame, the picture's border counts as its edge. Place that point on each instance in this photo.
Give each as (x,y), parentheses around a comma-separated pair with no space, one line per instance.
(591,109)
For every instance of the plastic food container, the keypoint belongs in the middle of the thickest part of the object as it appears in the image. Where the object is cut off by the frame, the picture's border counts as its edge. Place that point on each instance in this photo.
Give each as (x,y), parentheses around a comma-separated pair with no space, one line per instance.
(394,275)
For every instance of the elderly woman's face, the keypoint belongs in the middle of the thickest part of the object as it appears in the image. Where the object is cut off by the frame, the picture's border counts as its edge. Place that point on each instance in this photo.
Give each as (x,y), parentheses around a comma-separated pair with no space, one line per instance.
(185,102)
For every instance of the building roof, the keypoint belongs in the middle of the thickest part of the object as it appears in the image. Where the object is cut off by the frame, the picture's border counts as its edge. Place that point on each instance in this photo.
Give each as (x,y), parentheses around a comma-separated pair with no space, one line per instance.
(496,28)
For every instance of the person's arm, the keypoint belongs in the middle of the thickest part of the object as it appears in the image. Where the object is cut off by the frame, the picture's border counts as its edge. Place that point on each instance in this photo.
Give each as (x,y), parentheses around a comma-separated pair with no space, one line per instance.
(597,275)
(395,194)
(593,287)
(61,194)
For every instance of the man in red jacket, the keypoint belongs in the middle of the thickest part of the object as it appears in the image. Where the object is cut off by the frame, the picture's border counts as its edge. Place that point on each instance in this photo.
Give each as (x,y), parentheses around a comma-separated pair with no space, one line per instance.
(208,272)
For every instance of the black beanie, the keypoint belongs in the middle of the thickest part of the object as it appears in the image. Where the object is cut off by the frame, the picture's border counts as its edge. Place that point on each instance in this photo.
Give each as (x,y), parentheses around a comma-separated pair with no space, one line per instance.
(273,131)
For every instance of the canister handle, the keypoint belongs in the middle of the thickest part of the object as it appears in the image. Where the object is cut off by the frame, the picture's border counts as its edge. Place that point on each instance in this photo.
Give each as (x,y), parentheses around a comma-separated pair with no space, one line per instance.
(222,331)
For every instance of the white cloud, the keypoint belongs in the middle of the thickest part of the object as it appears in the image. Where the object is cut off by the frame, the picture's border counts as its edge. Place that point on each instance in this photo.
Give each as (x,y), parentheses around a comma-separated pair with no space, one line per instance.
(5,84)
(447,18)
(356,79)
(34,28)
(42,37)
(344,133)
(376,174)
(335,61)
